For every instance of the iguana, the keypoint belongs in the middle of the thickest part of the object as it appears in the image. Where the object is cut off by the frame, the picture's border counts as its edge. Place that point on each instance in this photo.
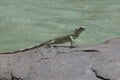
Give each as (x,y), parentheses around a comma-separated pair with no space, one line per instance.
(63,39)
(67,38)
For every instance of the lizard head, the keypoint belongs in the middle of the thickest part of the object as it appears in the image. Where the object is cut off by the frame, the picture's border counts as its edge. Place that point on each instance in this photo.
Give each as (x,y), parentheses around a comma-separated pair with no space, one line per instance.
(79,30)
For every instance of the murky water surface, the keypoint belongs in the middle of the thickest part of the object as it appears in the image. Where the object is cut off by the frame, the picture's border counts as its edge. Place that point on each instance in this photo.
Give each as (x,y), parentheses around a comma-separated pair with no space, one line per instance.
(25,23)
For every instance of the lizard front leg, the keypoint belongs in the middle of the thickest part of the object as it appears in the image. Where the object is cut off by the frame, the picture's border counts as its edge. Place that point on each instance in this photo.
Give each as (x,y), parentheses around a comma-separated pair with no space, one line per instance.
(71,41)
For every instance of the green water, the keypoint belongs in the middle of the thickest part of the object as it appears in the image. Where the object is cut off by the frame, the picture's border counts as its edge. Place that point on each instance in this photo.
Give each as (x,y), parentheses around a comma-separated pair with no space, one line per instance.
(25,23)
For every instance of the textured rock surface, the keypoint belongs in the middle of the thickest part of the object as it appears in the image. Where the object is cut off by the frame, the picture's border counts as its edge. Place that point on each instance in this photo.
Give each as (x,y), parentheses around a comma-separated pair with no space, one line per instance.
(94,62)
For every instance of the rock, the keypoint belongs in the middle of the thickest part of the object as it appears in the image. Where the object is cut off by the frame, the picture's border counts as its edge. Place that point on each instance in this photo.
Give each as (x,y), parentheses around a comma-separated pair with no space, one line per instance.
(91,62)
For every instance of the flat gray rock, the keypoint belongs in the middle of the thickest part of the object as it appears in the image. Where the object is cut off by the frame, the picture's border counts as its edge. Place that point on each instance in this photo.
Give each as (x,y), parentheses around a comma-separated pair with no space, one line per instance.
(90,62)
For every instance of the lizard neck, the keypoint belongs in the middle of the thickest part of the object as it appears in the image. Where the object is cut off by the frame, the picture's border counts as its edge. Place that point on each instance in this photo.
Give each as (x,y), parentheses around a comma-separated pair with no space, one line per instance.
(74,35)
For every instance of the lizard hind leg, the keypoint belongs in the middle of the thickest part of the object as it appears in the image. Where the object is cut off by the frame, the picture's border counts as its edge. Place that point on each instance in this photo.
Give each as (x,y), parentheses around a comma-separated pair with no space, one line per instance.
(48,44)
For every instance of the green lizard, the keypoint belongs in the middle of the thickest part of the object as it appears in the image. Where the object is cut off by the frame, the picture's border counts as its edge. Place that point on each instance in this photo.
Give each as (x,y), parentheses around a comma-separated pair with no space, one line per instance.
(67,38)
